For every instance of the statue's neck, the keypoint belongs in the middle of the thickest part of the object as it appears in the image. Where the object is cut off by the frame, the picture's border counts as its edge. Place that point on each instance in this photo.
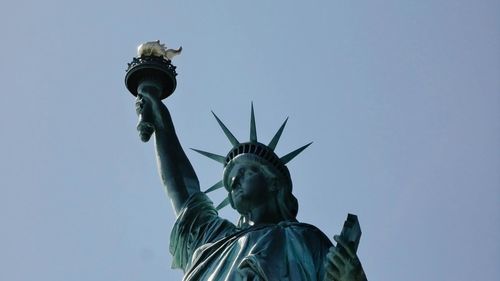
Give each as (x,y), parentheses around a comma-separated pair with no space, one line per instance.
(264,214)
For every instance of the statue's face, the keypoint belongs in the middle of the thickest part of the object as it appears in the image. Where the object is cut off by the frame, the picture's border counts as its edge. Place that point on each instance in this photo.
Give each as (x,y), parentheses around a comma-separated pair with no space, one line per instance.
(248,187)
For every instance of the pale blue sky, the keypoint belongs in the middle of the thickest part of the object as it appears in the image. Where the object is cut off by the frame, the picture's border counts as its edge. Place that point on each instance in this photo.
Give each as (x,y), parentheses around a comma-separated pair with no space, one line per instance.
(401,99)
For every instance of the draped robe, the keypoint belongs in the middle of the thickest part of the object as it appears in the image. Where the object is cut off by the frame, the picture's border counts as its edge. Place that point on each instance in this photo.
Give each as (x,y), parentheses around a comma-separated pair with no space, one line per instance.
(207,247)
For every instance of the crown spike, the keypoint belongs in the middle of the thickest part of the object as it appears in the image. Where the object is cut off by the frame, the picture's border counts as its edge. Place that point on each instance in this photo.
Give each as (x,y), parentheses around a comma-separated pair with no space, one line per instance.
(285,159)
(218,158)
(229,135)
(216,186)
(223,204)
(253,130)
(276,138)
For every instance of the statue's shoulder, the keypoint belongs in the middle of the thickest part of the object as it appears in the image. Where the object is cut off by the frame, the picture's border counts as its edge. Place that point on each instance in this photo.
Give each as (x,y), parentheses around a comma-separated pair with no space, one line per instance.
(307,231)
(298,225)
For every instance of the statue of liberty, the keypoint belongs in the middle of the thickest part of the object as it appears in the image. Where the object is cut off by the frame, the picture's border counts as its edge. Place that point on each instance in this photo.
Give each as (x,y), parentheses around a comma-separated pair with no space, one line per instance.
(267,243)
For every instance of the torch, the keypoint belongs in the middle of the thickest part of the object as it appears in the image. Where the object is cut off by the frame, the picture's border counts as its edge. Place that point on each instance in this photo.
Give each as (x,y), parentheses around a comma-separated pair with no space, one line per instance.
(151,72)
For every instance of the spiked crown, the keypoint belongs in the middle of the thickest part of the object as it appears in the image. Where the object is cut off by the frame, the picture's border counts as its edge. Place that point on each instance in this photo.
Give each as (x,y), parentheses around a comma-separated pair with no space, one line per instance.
(252,151)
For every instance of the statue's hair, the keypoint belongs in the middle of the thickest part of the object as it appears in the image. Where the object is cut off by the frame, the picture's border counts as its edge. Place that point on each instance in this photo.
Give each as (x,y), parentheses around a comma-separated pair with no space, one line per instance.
(286,202)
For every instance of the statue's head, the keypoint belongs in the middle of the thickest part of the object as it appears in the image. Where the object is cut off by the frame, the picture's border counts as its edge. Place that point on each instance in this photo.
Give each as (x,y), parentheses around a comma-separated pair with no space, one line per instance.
(254,174)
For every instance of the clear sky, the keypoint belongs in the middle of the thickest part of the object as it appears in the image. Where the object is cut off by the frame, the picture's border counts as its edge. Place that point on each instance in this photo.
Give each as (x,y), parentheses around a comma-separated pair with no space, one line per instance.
(401,99)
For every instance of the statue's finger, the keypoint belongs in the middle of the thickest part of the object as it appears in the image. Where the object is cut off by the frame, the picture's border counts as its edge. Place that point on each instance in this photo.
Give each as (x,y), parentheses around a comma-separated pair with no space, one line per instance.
(331,269)
(339,264)
(336,253)
(342,255)
(138,108)
(334,264)
(348,249)
(334,276)
(330,256)
(139,102)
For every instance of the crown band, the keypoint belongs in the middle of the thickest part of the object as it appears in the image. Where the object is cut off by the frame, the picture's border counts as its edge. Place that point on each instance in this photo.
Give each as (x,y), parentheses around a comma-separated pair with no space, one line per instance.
(254,152)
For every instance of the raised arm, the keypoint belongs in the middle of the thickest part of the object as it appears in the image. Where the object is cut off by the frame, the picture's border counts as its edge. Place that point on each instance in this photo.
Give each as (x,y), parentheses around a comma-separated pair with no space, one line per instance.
(176,172)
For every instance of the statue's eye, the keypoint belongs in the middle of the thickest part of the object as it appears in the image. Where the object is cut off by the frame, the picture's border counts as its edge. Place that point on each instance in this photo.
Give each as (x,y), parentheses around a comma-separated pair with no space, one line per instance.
(254,169)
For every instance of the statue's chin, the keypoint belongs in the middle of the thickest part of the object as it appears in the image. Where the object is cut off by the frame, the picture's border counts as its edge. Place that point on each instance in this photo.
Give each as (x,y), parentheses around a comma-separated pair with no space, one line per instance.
(146,130)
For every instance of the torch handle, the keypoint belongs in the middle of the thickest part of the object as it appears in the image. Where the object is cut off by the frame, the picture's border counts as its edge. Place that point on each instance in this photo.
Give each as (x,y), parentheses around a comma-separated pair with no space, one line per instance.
(147,87)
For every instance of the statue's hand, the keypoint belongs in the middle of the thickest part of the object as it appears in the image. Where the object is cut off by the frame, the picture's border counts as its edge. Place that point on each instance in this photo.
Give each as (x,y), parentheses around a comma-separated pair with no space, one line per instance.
(144,109)
(342,263)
